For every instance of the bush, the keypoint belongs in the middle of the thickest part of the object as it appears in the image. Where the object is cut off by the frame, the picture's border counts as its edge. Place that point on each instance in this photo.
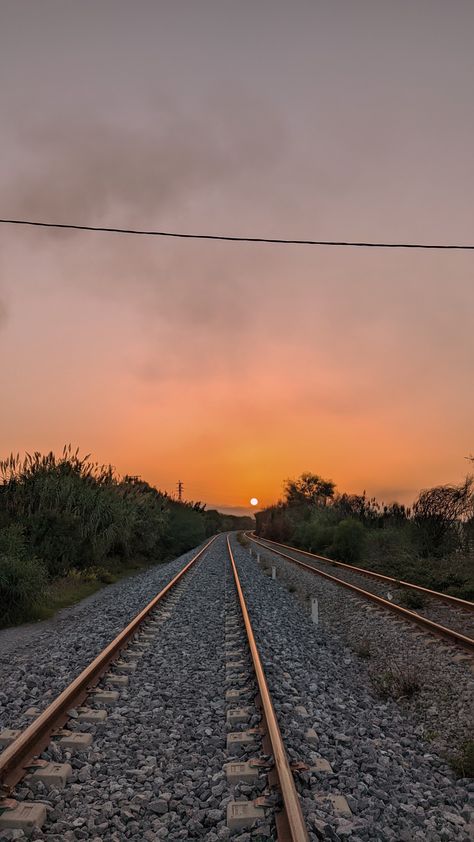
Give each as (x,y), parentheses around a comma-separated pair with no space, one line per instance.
(463,762)
(349,541)
(186,528)
(22,584)
(392,543)
(362,648)
(397,681)
(412,599)
(314,536)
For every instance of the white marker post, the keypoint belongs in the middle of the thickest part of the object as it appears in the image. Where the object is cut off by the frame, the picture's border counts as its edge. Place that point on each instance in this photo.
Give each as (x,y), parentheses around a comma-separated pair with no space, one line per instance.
(274,572)
(314,610)
(258,558)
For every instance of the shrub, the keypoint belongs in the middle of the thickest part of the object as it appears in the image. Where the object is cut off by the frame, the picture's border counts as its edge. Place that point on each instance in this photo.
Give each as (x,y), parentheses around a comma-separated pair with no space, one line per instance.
(349,541)
(463,762)
(412,599)
(315,534)
(390,543)
(362,648)
(438,514)
(22,584)
(397,681)
(186,528)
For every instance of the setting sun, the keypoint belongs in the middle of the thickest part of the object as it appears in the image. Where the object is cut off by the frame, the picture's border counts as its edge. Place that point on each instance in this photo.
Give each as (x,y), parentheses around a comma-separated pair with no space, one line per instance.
(253,501)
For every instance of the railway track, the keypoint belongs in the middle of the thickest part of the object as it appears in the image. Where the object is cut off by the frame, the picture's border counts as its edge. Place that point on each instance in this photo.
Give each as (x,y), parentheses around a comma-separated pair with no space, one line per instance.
(384,592)
(115,667)
(215,714)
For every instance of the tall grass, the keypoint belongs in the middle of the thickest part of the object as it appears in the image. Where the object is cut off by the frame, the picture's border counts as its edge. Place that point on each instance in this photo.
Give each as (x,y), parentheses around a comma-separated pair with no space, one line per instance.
(22,577)
(67,513)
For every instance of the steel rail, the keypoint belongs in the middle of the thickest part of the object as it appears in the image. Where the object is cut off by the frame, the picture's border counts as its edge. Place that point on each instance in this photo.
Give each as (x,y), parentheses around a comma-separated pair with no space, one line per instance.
(428,625)
(465,604)
(35,738)
(291,801)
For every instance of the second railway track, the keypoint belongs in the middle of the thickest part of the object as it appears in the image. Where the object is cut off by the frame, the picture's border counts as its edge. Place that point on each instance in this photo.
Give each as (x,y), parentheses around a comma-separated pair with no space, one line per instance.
(446,617)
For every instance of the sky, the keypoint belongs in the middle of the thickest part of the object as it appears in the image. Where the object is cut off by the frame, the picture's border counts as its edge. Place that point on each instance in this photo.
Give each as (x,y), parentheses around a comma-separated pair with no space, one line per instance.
(232,367)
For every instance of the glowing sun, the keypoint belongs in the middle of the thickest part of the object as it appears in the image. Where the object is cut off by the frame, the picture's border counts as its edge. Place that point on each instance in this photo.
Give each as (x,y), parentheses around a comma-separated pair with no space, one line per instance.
(253,501)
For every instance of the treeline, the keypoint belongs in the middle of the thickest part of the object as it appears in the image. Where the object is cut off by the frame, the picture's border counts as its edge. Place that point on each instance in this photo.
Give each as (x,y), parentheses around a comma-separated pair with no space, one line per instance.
(432,541)
(68,516)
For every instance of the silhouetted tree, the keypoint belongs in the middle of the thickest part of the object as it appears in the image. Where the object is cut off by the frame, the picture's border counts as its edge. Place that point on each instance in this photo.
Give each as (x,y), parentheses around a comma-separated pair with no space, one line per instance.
(439,514)
(308,489)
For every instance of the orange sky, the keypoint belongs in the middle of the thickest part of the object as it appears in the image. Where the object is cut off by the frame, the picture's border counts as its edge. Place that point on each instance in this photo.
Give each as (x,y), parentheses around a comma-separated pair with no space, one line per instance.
(232,367)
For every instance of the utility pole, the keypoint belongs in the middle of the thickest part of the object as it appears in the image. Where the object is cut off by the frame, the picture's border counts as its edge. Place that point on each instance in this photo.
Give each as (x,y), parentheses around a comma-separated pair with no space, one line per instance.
(180,491)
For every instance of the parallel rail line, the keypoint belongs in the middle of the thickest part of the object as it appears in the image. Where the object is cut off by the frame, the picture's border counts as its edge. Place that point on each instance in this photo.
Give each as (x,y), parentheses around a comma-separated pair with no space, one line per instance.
(455,601)
(427,625)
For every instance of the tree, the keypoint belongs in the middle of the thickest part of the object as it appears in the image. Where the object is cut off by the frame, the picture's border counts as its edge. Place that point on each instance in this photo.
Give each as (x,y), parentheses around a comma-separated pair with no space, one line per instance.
(308,489)
(439,514)
(358,506)
(349,541)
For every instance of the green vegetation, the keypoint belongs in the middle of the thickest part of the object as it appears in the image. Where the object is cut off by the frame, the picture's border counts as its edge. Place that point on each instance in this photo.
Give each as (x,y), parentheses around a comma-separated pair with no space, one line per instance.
(68,526)
(411,599)
(396,681)
(22,577)
(431,543)
(463,762)
(362,648)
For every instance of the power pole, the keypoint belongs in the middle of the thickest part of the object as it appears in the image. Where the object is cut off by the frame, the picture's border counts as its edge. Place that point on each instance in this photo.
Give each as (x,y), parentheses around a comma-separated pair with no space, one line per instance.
(180,491)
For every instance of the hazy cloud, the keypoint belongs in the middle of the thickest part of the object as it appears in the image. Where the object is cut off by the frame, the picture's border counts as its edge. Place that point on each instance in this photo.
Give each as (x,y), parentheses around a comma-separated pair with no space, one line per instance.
(88,171)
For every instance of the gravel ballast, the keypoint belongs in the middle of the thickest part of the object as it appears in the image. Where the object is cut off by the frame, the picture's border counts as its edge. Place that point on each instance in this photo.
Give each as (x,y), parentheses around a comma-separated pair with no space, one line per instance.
(38,661)
(155,769)
(396,786)
(443,702)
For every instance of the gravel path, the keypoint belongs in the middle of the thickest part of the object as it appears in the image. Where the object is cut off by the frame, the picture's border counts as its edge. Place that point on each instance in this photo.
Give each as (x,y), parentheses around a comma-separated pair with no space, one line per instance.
(396,787)
(458,619)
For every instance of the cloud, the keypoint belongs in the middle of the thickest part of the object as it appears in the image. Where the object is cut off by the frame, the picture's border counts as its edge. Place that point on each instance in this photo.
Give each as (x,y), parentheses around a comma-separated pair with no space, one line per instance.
(84,171)
(162,172)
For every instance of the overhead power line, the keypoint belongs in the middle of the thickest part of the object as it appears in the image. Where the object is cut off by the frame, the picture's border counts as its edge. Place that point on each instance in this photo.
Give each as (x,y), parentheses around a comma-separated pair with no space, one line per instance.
(232,239)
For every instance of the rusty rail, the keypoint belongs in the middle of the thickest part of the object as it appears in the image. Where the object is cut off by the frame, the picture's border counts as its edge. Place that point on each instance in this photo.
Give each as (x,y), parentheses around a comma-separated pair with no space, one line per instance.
(455,601)
(428,625)
(294,815)
(34,739)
